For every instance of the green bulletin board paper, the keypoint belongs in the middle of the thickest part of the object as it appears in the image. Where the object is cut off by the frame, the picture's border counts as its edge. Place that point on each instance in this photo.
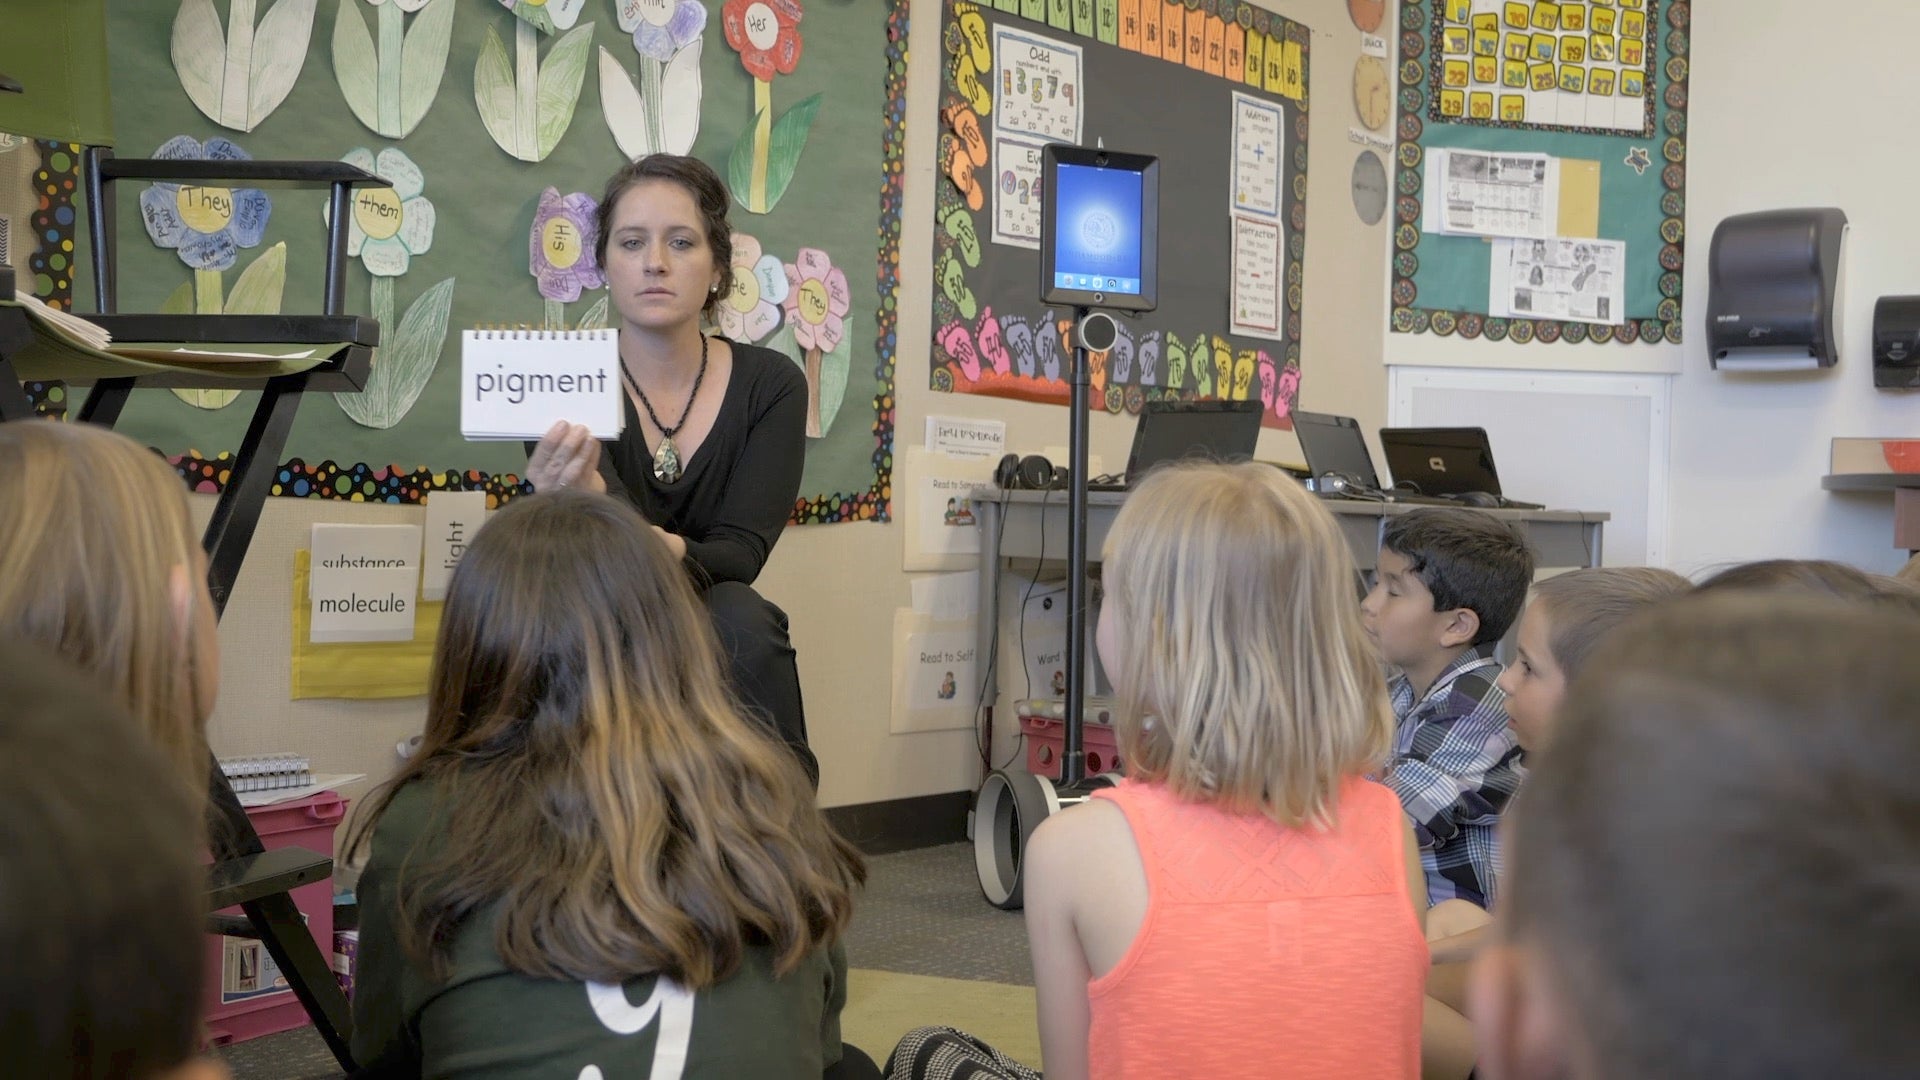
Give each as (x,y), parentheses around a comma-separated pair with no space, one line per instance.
(485,202)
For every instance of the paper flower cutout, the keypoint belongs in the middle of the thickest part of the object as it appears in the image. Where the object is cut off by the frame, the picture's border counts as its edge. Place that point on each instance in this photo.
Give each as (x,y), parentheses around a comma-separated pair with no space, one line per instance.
(560,247)
(389,225)
(665,29)
(752,310)
(817,300)
(548,15)
(403,5)
(766,33)
(207,226)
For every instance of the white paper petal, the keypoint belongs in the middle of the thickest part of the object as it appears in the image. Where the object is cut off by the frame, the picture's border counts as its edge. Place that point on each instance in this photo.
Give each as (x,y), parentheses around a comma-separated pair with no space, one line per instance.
(565,12)
(360,158)
(400,170)
(416,225)
(385,258)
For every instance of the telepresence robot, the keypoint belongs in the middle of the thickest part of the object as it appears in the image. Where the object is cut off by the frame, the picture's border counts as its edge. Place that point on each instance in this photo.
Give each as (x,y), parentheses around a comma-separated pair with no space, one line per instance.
(1099,252)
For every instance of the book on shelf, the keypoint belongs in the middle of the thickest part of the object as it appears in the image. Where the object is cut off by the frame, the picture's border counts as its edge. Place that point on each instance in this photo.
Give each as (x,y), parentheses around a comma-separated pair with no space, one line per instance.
(88,333)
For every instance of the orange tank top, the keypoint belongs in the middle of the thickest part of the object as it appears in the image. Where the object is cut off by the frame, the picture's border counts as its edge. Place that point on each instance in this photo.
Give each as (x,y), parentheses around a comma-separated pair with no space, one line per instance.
(1265,951)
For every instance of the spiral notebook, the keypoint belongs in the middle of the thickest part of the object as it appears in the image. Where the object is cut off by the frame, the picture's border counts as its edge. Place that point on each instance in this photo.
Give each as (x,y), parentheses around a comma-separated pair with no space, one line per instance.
(516,383)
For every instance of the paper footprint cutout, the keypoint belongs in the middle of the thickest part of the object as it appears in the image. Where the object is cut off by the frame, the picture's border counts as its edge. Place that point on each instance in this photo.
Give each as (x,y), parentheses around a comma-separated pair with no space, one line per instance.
(966,79)
(973,31)
(959,166)
(1222,366)
(1120,364)
(1046,347)
(1289,392)
(1019,339)
(1243,374)
(1200,366)
(953,282)
(993,345)
(1148,354)
(1269,383)
(1176,362)
(958,345)
(965,125)
(959,225)
(1097,374)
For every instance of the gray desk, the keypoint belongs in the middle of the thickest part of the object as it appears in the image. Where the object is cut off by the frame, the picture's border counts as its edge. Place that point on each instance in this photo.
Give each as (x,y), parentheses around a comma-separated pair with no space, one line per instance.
(1031,526)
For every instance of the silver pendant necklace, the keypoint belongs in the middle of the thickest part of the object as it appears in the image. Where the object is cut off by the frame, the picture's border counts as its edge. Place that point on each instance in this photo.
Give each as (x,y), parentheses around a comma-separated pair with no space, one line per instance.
(667,466)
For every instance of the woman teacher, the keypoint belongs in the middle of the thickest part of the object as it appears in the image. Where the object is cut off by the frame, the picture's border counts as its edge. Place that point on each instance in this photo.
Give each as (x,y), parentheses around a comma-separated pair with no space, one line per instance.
(715,432)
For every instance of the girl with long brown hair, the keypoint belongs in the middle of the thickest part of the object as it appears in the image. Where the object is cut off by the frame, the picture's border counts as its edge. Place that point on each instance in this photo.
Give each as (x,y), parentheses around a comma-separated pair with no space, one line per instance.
(594,863)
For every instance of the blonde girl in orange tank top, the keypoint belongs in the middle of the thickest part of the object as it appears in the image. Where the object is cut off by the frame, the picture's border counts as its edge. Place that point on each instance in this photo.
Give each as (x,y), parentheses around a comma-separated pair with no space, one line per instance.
(1245,903)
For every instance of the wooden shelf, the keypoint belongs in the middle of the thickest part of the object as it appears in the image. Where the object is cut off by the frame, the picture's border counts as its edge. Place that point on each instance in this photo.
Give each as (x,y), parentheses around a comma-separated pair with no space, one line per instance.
(1869,481)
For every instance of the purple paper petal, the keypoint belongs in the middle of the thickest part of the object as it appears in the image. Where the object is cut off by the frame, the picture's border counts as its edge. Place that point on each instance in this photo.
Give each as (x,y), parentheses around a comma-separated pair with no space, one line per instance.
(653,42)
(689,21)
(209,251)
(179,148)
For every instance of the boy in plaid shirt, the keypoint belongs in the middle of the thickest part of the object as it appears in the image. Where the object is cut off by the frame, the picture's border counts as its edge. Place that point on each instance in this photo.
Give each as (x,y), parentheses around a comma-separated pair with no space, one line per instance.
(1448,585)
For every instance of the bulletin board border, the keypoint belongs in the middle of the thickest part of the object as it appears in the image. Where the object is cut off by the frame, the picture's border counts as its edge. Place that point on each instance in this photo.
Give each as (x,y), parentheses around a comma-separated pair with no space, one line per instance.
(56,223)
(1419,39)
(946,374)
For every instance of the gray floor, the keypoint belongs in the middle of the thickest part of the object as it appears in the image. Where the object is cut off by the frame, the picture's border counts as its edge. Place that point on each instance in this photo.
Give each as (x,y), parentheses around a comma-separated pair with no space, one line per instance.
(922,913)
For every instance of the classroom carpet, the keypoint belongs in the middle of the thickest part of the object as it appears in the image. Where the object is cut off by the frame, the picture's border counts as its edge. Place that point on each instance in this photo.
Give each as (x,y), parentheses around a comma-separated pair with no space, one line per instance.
(924,948)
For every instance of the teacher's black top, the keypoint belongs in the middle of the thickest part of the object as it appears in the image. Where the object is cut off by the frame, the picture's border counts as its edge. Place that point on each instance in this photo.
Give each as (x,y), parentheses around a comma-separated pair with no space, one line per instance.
(739,487)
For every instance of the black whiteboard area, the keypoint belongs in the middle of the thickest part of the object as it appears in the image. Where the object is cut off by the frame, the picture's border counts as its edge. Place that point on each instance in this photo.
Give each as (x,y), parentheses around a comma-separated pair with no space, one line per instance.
(1019,74)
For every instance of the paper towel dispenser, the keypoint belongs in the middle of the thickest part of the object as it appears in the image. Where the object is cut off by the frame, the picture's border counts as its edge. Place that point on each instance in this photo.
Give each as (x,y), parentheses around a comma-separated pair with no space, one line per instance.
(1773,290)
(1896,343)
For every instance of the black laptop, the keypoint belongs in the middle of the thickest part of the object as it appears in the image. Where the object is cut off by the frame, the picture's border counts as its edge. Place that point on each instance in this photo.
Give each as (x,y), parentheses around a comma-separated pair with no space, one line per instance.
(1175,430)
(1447,461)
(1334,447)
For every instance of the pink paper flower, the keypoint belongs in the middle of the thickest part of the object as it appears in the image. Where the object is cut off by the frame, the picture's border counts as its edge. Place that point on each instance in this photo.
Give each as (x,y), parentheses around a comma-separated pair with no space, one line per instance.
(817,300)
(560,246)
(752,310)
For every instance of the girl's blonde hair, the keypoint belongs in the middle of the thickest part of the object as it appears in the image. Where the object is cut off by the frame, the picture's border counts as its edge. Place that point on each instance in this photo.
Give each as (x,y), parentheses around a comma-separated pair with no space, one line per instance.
(595,777)
(92,529)
(1244,677)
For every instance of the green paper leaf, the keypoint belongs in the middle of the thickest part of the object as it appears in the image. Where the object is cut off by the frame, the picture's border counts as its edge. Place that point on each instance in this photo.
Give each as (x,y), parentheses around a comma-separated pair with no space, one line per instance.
(261,284)
(355,64)
(493,90)
(784,144)
(782,342)
(596,316)
(180,301)
(535,16)
(835,368)
(199,54)
(279,52)
(740,165)
(402,367)
(423,61)
(561,76)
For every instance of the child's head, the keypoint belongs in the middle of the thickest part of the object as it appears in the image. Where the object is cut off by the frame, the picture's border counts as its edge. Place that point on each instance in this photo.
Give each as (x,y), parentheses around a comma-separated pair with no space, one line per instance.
(1910,573)
(1713,873)
(1446,580)
(101,894)
(1242,674)
(99,563)
(1818,576)
(1569,615)
(598,774)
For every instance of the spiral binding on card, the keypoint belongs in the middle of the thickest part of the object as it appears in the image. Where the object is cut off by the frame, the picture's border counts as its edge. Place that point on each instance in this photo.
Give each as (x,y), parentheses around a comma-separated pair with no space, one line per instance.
(530,332)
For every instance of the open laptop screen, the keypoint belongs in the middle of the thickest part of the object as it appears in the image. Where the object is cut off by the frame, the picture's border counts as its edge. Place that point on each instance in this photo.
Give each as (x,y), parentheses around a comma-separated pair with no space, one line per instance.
(1172,430)
(1441,461)
(1333,444)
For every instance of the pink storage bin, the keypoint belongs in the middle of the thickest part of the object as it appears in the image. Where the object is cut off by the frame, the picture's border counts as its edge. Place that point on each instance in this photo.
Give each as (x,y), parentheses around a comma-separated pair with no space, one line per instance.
(1047,741)
(245,996)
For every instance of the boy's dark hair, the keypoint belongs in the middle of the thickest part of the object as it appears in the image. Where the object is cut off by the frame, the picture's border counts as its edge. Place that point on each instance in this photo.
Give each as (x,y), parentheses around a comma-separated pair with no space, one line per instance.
(1466,559)
(1718,852)
(100,887)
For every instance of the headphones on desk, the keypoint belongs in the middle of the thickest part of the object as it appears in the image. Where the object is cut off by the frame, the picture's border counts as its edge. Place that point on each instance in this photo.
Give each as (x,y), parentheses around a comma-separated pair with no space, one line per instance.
(1030,473)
